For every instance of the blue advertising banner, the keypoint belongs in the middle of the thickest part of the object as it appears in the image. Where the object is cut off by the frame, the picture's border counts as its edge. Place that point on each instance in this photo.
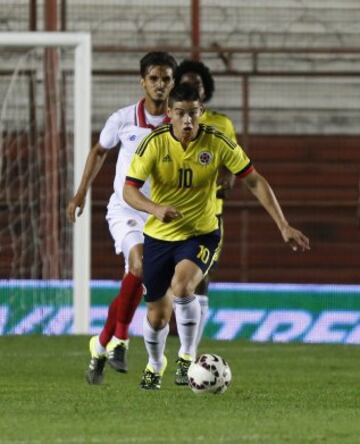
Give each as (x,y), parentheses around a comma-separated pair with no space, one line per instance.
(256,312)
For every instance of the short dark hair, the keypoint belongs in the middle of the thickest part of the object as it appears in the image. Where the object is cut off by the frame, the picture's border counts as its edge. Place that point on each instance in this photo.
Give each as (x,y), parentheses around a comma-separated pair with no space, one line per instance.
(202,70)
(182,92)
(156,58)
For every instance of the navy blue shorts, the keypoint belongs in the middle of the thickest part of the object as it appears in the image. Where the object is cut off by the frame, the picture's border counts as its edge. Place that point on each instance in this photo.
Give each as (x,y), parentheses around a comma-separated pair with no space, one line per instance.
(160,258)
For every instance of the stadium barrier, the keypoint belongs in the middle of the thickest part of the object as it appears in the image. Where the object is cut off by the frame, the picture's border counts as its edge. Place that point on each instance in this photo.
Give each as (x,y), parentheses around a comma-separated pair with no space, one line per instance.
(256,312)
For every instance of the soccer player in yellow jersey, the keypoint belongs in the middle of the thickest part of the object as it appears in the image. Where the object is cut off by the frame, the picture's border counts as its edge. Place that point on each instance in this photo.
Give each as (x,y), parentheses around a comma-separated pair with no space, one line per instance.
(199,76)
(182,232)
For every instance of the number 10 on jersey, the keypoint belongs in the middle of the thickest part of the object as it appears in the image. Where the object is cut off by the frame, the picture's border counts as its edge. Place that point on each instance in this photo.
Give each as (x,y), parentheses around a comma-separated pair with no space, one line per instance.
(185,177)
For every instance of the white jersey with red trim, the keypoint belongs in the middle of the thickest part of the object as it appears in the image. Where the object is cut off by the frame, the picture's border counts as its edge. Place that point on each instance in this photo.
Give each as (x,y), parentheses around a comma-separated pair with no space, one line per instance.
(127,127)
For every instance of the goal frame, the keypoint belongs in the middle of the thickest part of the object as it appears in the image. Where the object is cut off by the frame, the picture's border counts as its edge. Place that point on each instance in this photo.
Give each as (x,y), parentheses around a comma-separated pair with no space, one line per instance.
(81,42)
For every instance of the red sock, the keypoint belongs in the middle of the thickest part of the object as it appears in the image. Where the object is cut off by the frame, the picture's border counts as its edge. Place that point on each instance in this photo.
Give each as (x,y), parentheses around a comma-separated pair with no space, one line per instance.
(110,324)
(131,294)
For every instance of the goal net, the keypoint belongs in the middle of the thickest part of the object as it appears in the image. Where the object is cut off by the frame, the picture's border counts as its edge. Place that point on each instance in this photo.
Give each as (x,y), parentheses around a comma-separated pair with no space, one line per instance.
(44,140)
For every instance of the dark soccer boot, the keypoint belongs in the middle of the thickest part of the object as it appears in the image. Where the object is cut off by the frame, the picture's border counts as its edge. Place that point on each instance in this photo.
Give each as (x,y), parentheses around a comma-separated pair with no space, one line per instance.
(95,371)
(117,357)
(151,380)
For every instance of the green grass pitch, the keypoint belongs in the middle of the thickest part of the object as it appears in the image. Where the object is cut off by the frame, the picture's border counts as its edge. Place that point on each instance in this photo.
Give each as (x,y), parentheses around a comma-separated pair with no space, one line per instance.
(281,393)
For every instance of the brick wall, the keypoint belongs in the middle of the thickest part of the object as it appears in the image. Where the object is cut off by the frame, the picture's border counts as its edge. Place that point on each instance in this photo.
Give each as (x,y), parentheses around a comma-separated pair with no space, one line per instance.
(316,180)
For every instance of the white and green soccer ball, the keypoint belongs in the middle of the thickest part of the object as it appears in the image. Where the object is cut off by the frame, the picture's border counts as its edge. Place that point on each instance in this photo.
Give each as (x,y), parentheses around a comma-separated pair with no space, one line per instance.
(209,374)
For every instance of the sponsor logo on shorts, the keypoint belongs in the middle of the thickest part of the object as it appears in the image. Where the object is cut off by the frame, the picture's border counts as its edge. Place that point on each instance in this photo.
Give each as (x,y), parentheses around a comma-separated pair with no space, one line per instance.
(205,158)
(131,223)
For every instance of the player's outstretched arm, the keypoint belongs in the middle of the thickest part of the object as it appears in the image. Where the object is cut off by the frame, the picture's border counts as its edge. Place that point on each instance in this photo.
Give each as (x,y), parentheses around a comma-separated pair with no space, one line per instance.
(94,162)
(136,199)
(261,189)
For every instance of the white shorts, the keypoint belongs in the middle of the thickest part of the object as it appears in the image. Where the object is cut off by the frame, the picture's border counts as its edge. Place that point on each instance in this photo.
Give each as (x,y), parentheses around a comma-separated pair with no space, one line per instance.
(126,226)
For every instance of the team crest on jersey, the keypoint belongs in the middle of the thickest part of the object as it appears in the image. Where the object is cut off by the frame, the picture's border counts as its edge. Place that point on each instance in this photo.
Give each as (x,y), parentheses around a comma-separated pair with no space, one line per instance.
(132,137)
(205,157)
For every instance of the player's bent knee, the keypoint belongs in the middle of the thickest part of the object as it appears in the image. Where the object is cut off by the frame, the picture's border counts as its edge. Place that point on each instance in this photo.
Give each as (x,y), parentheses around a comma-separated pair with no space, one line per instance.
(182,289)
(136,269)
(158,319)
(159,312)
(158,324)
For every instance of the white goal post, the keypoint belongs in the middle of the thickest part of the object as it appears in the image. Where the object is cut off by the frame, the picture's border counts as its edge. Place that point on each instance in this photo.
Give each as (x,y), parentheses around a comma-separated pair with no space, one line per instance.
(81,43)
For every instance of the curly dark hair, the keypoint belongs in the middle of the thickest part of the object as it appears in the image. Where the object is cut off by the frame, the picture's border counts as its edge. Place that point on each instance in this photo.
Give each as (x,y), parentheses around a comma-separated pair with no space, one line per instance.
(202,70)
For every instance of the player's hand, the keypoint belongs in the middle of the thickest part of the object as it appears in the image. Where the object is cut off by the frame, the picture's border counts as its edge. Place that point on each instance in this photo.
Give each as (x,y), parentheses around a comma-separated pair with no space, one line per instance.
(295,239)
(166,214)
(76,202)
(225,183)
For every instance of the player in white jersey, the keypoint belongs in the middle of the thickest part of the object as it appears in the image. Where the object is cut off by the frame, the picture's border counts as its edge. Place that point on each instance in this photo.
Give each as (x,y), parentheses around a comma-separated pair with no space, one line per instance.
(125,128)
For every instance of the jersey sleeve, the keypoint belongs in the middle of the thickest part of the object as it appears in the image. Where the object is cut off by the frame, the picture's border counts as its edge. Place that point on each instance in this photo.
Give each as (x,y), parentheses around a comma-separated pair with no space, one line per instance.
(235,159)
(230,130)
(109,136)
(142,163)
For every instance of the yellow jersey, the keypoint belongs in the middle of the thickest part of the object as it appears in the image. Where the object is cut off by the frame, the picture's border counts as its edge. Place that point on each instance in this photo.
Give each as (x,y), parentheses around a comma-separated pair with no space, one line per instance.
(185,179)
(222,123)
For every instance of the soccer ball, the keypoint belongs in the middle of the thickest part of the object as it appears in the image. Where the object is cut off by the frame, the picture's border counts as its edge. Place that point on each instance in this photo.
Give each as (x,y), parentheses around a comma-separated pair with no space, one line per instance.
(209,374)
